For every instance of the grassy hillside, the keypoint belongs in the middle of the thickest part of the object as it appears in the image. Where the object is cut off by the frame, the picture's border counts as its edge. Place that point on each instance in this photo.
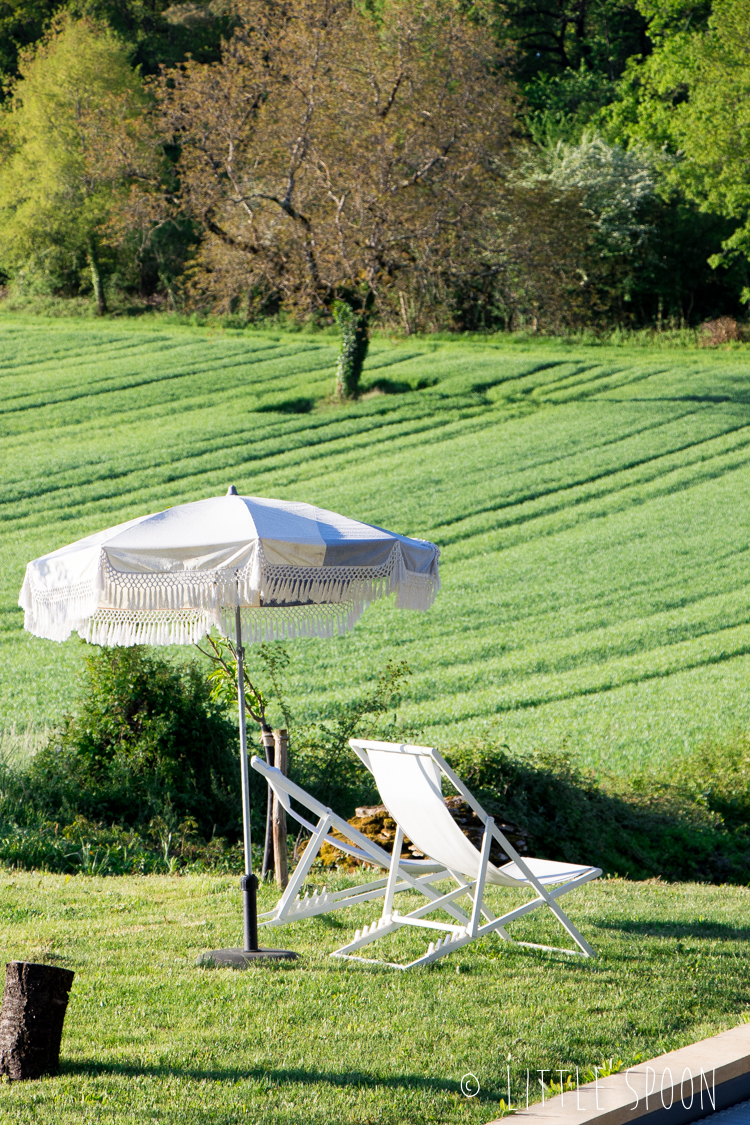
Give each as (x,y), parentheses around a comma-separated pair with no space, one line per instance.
(591,505)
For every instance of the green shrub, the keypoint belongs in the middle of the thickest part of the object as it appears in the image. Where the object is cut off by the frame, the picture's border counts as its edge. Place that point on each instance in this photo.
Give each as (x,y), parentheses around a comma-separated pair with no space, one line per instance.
(644,828)
(89,848)
(354,345)
(144,777)
(146,742)
(716,776)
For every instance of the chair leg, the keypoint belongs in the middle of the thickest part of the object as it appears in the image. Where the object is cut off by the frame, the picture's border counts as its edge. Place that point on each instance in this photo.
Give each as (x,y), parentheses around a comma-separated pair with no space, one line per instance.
(389,924)
(497,926)
(456,937)
(393,873)
(479,885)
(561,916)
(302,868)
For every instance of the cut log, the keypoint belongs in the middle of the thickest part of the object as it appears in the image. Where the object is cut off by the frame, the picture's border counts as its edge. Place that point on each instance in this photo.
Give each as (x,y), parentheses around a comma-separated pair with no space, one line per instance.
(31,1019)
(281,748)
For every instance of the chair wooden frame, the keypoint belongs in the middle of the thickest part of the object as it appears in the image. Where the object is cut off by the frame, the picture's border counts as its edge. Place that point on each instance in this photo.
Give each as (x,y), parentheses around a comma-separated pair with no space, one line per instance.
(293,904)
(532,874)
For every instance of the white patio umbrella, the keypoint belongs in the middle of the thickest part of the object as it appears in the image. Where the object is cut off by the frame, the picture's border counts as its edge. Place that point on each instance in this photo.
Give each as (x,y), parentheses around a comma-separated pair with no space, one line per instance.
(253,568)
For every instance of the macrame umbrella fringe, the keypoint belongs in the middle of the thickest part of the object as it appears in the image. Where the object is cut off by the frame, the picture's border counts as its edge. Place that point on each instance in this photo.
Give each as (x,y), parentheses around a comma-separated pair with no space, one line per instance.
(277,602)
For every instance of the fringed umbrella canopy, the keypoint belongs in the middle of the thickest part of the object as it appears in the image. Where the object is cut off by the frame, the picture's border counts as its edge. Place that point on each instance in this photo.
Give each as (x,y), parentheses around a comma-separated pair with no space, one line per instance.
(294,570)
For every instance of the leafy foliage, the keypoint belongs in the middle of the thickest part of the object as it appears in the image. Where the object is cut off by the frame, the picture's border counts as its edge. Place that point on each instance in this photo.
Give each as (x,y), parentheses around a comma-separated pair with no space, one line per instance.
(691,95)
(222,652)
(611,184)
(146,744)
(88,847)
(556,39)
(354,343)
(716,776)
(562,107)
(55,200)
(333,152)
(647,827)
(157,33)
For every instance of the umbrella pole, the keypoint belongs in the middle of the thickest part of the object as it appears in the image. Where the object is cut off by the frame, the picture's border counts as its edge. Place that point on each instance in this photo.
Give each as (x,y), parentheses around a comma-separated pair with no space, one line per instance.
(241,958)
(249,882)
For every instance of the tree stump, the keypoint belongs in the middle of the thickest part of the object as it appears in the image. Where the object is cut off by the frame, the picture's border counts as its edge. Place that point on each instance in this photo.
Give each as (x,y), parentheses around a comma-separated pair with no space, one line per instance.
(31,1019)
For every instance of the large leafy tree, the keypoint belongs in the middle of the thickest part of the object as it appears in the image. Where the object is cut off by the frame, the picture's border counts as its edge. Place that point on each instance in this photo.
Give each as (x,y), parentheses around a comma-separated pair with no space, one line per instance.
(55,195)
(333,153)
(692,96)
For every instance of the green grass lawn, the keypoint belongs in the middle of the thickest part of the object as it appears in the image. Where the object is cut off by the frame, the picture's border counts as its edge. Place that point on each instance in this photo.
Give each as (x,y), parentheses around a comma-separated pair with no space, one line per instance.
(149,1037)
(592,505)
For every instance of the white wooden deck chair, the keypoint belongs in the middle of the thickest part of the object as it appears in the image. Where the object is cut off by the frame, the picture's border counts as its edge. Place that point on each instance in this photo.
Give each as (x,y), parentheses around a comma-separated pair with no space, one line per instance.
(293,905)
(409,780)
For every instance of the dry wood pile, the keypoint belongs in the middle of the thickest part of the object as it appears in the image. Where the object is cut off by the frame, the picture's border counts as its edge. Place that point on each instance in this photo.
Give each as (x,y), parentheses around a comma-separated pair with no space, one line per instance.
(375,822)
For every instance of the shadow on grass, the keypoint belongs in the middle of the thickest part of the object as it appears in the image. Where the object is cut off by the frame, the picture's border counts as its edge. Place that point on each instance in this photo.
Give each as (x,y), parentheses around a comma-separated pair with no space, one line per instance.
(387,387)
(289,406)
(679,930)
(483,387)
(332,923)
(279,1076)
(397,386)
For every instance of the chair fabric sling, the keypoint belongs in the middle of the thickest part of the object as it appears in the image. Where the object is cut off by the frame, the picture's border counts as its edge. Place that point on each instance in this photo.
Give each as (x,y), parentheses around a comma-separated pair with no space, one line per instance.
(409,779)
(294,905)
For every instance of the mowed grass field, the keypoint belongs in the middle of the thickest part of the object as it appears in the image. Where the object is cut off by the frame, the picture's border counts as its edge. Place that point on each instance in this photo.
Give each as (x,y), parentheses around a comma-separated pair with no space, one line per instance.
(151,1038)
(592,506)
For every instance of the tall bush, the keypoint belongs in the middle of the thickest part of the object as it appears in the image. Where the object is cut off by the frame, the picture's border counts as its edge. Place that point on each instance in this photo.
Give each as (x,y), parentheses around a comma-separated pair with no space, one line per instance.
(354,342)
(146,742)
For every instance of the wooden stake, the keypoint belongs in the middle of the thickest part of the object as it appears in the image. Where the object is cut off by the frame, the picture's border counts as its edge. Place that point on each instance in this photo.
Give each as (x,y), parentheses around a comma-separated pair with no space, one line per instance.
(281,747)
(268,749)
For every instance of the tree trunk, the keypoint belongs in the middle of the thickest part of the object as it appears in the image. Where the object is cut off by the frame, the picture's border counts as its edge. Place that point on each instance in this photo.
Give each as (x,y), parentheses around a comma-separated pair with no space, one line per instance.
(281,746)
(31,1020)
(268,747)
(96,277)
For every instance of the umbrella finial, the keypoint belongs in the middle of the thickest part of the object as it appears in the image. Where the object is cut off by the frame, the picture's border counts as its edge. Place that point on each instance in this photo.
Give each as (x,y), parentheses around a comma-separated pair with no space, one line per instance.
(231,491)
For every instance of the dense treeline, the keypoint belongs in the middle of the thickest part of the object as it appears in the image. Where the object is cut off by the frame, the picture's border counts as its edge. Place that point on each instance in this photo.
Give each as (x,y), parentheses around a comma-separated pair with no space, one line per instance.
(430,165)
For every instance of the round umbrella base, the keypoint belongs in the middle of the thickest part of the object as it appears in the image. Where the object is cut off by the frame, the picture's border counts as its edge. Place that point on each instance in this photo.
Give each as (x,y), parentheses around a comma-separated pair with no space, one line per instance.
(241,958)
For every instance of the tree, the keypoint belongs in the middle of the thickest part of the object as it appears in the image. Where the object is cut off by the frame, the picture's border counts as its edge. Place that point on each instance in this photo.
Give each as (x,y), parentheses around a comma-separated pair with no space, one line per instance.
(335,155)
(611,184)
(692,96)
(354,344)
(559,37)
(55,197)
(591,196)
(158,32)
